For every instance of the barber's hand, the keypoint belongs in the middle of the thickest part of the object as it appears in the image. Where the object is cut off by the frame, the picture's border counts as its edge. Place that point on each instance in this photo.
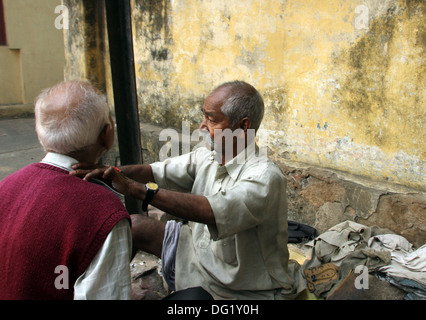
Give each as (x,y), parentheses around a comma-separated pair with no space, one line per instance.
(88,171)
(121,183)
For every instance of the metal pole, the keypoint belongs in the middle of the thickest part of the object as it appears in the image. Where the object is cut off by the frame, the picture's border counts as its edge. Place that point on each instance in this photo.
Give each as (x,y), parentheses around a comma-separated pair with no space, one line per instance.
(119,25)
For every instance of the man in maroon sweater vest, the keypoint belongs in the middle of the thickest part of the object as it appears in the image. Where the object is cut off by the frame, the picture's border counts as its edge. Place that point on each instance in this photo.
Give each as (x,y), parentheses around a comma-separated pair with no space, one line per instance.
(62,237)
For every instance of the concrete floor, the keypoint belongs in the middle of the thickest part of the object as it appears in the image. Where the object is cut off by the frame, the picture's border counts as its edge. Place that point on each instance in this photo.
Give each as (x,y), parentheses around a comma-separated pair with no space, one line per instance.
(19,145)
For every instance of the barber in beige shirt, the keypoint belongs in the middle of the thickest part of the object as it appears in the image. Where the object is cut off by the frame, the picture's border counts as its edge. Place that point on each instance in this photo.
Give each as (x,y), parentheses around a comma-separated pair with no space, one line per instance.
(234,244)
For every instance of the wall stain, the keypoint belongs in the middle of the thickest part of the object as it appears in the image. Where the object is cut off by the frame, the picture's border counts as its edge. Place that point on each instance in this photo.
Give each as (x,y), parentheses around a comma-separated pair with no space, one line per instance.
(160,55)
(157,12)
(365,91)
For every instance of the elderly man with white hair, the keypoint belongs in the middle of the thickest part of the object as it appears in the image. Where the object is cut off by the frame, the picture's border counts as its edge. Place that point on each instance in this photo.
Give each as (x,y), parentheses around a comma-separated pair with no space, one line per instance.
(62,237)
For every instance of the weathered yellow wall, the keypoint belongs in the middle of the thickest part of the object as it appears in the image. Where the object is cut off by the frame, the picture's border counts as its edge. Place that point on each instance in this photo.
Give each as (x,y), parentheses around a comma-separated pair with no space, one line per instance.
(343,81)
(10,78)
(34,53)
(86,44)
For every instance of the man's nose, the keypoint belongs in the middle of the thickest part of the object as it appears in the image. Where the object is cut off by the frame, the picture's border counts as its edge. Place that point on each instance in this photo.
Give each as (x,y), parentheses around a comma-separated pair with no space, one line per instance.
(203,125)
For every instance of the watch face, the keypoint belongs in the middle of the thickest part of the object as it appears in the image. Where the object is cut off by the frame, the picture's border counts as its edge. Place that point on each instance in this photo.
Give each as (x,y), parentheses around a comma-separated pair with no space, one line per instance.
(152,186)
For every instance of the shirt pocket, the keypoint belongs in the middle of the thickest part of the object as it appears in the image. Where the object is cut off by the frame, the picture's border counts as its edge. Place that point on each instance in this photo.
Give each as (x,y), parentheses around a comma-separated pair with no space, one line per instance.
(225,250)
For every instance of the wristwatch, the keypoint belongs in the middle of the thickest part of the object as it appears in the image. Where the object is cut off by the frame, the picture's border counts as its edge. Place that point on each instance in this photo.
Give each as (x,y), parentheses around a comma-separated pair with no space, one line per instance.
(151,189)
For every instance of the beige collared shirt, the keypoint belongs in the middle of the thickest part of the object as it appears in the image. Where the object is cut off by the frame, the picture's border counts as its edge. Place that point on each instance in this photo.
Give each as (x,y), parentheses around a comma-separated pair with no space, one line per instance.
(245,256)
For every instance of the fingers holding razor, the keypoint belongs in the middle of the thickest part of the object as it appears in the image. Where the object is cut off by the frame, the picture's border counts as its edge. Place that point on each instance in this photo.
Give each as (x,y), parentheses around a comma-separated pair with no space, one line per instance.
(120,182)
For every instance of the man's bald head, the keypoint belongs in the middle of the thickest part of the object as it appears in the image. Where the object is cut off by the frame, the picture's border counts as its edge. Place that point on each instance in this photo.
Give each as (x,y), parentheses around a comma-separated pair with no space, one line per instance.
(241,100)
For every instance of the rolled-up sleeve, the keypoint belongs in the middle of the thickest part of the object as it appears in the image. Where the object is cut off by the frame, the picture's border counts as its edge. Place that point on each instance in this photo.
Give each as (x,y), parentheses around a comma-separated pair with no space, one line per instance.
(176,173)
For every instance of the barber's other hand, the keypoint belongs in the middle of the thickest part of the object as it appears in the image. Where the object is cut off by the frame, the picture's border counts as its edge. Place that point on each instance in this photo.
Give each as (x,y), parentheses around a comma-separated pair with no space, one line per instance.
(88,171)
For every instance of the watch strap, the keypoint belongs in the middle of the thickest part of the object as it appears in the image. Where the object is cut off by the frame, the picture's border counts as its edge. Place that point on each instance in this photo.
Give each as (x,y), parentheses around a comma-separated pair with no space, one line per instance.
(148,197)
(147,200)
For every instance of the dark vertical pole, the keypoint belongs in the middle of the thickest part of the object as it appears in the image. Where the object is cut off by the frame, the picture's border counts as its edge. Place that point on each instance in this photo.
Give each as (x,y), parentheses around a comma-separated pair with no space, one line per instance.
(119,27)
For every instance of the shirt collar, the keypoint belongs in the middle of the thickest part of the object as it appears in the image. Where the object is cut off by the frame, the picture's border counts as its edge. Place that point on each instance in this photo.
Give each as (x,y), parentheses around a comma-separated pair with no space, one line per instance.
(64,162)
(235,165)
(59,160)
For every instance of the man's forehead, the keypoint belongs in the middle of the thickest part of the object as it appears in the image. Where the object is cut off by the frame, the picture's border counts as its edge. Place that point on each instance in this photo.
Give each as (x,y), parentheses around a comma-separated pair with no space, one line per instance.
(221,93)
(215,99)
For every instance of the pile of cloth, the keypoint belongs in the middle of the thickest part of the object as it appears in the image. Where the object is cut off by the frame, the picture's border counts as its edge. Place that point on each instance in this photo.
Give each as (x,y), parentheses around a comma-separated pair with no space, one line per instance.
(389,257)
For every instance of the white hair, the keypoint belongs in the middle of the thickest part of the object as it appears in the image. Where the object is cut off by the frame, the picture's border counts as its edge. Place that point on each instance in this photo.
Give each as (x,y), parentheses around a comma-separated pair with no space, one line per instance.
(70,116)
(244,101)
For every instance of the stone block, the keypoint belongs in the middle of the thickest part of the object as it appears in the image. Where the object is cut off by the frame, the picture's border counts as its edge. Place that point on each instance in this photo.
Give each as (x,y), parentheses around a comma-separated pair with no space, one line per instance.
(323,197)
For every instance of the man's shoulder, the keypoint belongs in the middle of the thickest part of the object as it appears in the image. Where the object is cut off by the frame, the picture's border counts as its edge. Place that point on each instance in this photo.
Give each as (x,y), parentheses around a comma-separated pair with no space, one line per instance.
(264,167)
(97,191)
(202,153)
(79,192)
(95,203)
(20,175)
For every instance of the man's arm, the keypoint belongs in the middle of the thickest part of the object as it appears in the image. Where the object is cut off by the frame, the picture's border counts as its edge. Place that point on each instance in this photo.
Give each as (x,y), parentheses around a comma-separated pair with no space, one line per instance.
(138,172)
(130,180)
(182,205)
(185,206)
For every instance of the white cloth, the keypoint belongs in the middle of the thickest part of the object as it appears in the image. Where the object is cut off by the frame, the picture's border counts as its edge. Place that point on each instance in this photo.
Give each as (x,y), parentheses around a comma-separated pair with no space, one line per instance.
(340,241)
(168,253)
(108,275)
(405,261)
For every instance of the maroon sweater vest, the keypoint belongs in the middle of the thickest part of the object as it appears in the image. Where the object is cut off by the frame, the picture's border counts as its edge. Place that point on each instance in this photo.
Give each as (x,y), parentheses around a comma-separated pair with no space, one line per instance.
(49,218)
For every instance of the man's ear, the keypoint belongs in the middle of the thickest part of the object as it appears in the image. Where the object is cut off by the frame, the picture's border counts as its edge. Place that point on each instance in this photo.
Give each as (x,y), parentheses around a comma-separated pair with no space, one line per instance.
(245,124)
(106,137)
